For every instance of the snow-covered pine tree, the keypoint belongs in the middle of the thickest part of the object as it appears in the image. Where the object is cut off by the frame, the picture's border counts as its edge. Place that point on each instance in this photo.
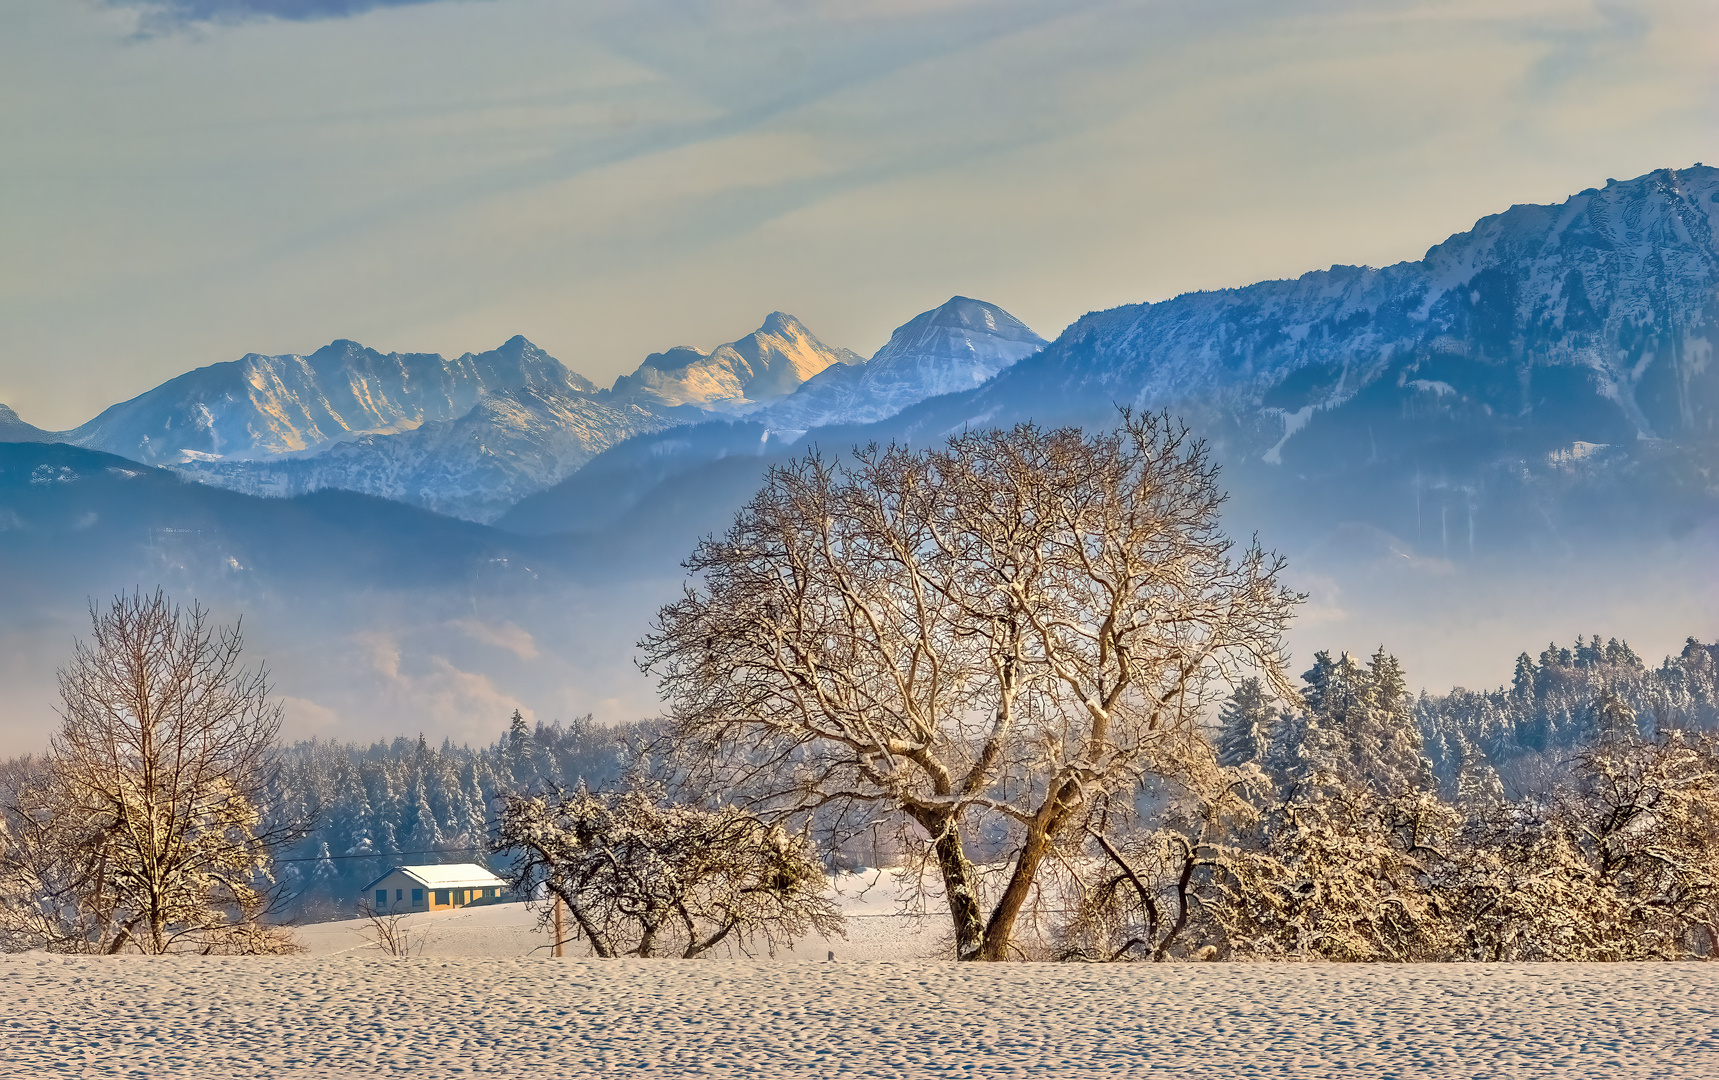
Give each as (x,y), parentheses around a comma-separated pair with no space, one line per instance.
(1522,686)
(1478,787)
(520,751)
(1245,723)
(1610,719)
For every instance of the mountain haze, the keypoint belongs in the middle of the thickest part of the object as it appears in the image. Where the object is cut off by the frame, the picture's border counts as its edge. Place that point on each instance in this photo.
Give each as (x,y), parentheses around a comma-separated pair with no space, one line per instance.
(1510,439)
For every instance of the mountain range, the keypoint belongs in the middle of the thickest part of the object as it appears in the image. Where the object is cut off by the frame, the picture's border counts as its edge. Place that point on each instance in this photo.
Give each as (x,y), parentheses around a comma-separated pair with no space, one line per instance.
(1472,399)
(1518,424)
(470,437)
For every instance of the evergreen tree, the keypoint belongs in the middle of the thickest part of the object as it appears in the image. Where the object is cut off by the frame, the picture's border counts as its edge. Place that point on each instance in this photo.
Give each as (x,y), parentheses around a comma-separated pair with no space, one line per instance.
(1619,653)
(1478,787)
(1522,684)
(1610,719)
(1590,654)
(520,750)
(1245,723)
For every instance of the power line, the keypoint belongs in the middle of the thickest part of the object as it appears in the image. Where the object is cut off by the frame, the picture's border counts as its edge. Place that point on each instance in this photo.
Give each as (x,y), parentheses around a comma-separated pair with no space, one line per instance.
(383,854)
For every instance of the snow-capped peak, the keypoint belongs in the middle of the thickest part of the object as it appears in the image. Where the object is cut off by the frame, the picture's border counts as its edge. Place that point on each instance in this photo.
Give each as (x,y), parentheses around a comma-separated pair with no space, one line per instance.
(955,346)
(260,406)
(766,364)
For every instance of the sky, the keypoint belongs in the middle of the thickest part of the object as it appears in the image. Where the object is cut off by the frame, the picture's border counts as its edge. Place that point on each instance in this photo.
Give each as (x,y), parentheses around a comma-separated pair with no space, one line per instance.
(186,181)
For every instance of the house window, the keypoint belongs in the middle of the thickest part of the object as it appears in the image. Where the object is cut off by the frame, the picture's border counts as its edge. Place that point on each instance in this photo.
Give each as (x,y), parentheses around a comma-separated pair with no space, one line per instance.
(399,894)
(417,897)
(442,896)
(381,898)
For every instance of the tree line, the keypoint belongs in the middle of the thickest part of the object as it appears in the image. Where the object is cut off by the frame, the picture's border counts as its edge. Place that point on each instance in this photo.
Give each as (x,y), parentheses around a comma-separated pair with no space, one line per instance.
(1572,815)
(1030,660)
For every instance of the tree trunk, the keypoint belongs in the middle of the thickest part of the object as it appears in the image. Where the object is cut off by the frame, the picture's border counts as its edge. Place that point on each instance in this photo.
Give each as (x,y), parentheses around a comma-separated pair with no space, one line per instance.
(157,922)
(958,882)
(599,944)
(1000,931)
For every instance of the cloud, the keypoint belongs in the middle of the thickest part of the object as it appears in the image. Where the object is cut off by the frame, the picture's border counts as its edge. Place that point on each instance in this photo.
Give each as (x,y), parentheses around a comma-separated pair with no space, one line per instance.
(309,718)
(167,14)
(505,635)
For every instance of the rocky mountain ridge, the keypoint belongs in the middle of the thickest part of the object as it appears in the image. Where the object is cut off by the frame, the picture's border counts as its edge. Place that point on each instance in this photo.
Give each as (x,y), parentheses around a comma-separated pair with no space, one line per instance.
(956,346)
(1533,375)
(473,436)
(769,363)
(264,406)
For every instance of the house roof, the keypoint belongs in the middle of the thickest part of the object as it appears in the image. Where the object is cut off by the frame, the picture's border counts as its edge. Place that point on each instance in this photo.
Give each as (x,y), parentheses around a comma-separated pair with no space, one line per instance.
(445,876)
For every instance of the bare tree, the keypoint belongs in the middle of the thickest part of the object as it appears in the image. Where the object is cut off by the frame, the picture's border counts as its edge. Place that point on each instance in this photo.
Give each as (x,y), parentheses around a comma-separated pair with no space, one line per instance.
(638,877)
(1147,888)
(387,930)
(1006,629)
(143,829)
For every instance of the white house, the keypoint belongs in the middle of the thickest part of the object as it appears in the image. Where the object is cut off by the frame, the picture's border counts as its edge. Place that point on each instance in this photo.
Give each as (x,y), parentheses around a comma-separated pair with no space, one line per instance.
(432,888)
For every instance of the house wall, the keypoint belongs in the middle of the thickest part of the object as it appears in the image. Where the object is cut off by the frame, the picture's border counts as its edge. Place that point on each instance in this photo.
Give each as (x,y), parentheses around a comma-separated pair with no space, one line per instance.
(401,886)
(459,897)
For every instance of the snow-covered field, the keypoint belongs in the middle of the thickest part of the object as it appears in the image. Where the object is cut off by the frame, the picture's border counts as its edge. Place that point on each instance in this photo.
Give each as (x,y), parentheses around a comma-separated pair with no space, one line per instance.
(871,903)
(483,997)
(365,1016)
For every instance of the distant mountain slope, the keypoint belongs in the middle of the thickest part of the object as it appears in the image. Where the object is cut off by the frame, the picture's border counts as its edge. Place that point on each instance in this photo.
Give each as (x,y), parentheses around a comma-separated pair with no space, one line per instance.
(1551,367)
(955,346)
(766,364)
(71,513)
(950,348)
(1603,305)
(13,429)
(259,406)
(511,444)
(467,437)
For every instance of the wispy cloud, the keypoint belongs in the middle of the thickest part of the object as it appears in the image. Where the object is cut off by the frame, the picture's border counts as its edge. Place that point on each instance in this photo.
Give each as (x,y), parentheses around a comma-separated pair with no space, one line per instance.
(447,176)
(167,14)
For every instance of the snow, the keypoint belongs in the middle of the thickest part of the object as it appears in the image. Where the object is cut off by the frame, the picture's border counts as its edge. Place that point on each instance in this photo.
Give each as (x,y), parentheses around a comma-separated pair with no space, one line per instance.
(873,902)
(1292,423)
(951,348)
(188,1016)
(482,996)
(1433,386)
(1576,451)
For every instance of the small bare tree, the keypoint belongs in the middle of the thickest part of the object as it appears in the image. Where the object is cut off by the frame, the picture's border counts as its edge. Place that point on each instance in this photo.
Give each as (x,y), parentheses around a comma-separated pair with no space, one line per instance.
(387,930)
(143,827)
(1006,629)
(638,877)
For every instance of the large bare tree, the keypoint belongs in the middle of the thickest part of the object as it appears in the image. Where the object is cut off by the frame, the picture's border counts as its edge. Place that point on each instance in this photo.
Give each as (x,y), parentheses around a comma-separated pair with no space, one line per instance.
(143,828)
(1001,630)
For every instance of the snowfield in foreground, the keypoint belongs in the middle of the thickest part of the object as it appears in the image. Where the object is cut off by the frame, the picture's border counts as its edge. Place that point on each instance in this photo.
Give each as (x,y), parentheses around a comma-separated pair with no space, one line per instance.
(364,1016)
